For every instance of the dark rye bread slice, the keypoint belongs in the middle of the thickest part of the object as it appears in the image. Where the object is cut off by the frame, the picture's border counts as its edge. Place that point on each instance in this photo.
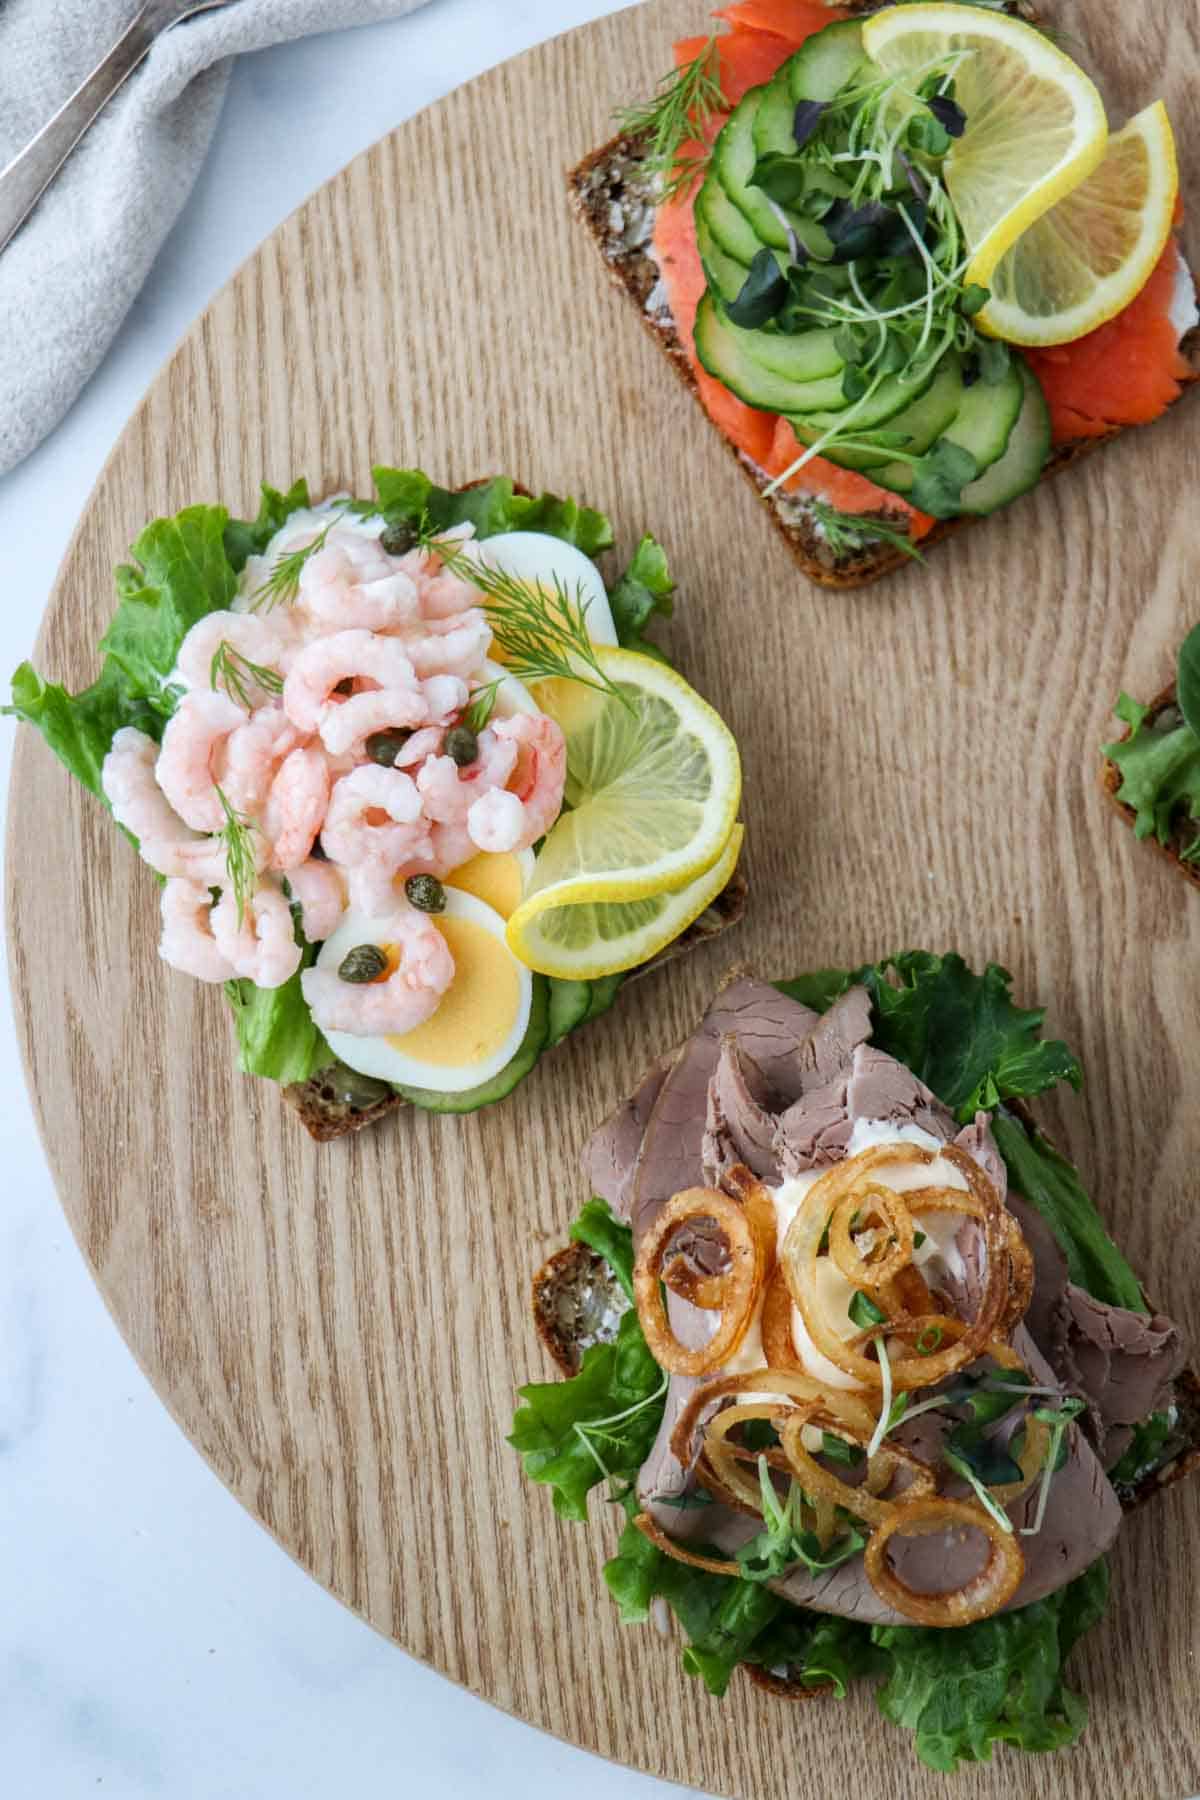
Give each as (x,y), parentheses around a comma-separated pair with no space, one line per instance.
(577,1301)
(1110,780)
(612,192)
(327,1110)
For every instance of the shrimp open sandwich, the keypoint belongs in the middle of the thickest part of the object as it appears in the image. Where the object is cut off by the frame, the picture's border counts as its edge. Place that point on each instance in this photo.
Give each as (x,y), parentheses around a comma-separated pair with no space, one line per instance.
(851,1347)
(418,792)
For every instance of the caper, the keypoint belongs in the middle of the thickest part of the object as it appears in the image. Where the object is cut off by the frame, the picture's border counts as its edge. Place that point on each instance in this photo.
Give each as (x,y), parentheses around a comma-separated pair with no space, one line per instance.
(461,745)
(398,539)
(383,747)
(366,962)
(426,893)
(353,1089)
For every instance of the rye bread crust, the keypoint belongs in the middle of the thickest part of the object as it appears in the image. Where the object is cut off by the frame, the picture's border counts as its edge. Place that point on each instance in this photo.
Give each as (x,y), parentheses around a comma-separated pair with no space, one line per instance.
(611,192)
(1110,781)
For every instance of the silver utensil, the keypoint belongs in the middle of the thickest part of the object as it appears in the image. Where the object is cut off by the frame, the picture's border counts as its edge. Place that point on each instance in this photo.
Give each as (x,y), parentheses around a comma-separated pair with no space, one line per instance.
(31,171)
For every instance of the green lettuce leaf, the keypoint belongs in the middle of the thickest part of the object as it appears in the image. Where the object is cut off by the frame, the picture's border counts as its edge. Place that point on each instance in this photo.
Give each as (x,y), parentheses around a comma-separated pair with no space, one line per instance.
(79,728)
(407,495)
(1160,772)
(997,1681)
(642,591)
(1152,1444)
(958,1031)
(1049,1182)
(276,1035)
(597,1227)
(599,1423)
(249,537)
(1187,681)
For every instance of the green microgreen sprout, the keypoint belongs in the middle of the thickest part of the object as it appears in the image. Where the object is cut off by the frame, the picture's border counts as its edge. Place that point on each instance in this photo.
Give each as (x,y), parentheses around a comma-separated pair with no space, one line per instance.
(1058,1418)
(240,676)
(784,1541)
(682,105)
(585,1430)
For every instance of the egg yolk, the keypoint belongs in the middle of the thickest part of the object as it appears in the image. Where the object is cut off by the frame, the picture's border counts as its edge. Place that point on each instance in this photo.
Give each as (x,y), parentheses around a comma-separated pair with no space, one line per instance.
(478,1008)
(495,878)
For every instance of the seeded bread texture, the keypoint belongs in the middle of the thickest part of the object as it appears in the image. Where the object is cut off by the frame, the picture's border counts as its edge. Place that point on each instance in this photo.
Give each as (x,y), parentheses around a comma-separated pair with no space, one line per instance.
(612,192)
(1110,780)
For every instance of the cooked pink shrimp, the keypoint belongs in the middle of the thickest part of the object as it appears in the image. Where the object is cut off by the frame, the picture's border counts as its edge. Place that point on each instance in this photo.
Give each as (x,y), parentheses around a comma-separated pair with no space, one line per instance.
(254,637)
(194,735)
(461,651)
(375,887)
(374,816)
(346,656)
(263,946)
(250,759)
(295,806)
(496,821)
(187,941)
(137,801)
(448,792)
(320,893)
(351,583)
(348,726)
(424,969)
(541,772)
(423,743)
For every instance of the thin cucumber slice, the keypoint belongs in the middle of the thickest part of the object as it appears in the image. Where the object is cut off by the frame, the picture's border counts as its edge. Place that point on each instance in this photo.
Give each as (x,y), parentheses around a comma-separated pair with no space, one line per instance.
(773,133)
(824,65)
(796,381)
(896,394)
(734,159)
(570,1005)
(531,1047)
(921,423)
(730,228)
(983,425)
(1024,458)
(724,274)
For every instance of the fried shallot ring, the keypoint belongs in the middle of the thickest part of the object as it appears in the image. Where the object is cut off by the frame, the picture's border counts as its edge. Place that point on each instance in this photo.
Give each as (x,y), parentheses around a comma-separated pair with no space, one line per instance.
(802,1247)
(658,1537)
(740,1286)
(984,1594)
(778,1341)
(891,1209)
(791,1384)
(819,1483)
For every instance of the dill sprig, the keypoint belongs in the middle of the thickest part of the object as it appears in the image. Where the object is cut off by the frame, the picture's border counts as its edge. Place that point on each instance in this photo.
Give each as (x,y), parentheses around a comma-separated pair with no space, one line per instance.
(544,636)
(483,705)
(846,532)
(239,855)
(681,106)
(282,584)
(240,676)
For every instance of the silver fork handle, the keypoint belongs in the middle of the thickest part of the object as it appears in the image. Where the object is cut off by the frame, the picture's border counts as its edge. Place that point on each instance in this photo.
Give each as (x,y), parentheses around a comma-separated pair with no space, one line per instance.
(30,173)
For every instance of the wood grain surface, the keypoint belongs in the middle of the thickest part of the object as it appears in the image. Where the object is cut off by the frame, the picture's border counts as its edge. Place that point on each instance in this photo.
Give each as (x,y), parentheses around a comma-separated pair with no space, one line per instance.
(341,1330)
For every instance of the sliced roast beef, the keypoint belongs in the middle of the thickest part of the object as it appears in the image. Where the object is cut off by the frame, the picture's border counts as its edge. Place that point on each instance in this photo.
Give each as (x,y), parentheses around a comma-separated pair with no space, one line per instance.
(768,1026)
(611,1153)
(816,1128)
(834,1039)
(739,1125)
(977,1140)
(882,1088)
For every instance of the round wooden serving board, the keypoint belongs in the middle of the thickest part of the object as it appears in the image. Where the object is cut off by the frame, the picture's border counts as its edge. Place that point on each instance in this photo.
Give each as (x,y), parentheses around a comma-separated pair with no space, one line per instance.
(341,1330)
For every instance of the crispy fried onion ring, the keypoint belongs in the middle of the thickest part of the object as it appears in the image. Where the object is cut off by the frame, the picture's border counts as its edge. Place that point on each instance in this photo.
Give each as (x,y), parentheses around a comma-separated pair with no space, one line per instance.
(734,1293)
(716,1565)
(845,1188)
(985,1593)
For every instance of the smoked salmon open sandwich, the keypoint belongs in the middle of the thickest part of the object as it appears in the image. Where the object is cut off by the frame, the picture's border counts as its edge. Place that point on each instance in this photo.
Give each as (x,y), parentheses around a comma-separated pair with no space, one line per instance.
(901,259)
(418,792)
(845,1338)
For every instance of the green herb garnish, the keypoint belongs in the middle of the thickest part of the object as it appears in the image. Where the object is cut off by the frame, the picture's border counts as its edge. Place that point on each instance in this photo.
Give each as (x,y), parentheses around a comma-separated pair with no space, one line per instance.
(864,1313)
(240,676)
(846,532)
(282,584)
(1058,1418)
(239,855)
(681,106)
(482,706)
(784,1541)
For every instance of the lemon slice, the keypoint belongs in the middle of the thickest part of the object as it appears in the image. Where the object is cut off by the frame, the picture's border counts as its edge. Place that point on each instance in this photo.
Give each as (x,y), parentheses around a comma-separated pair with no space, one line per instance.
(590,939)
(1089,256)
(653,786)
(1035,124)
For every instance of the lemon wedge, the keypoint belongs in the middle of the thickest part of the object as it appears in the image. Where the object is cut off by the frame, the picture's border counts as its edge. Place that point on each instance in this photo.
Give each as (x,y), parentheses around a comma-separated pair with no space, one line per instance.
(1035,124)
(653,785)
(1089,256)
(583,941)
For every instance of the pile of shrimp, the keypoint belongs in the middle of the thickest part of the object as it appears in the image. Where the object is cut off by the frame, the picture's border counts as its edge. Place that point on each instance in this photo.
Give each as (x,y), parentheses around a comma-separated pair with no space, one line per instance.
(370,643)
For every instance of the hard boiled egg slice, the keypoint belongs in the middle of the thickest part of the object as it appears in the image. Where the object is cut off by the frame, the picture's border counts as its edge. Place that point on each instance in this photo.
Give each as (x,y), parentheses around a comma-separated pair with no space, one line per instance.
(483,1016)
(543,561)
(498,878)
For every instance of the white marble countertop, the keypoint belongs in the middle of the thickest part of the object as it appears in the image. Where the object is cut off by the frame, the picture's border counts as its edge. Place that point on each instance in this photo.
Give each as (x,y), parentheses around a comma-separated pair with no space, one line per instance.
(153,1639)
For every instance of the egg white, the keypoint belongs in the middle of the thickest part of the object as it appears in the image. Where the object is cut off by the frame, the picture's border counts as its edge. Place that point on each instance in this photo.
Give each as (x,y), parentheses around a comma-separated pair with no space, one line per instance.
(534,556)
(378,1056)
